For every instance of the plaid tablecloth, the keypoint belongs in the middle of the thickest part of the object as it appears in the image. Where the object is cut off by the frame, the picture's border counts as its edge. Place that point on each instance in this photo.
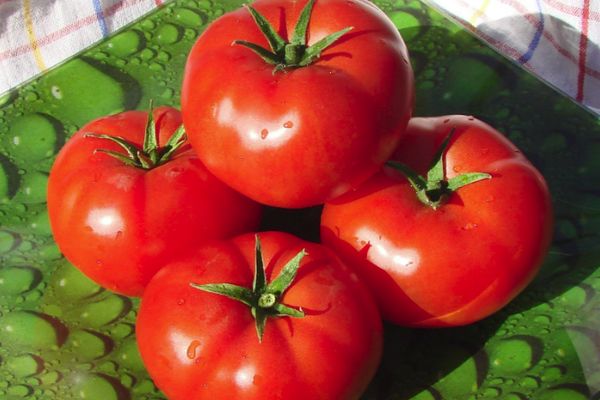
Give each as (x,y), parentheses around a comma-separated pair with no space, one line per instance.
(558,40)
(38,34)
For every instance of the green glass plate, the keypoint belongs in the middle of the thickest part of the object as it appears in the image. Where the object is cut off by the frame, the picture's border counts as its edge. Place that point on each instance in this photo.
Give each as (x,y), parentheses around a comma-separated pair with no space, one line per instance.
(63,337)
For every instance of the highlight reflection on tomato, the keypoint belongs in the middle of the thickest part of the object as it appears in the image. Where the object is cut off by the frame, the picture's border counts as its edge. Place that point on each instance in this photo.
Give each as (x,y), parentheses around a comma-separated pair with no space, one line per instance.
(295,135)
(465,255)
(119,223)
(199,345)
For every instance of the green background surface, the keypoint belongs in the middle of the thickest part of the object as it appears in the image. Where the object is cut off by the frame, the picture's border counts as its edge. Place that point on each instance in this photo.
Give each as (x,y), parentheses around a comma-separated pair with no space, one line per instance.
(63,337)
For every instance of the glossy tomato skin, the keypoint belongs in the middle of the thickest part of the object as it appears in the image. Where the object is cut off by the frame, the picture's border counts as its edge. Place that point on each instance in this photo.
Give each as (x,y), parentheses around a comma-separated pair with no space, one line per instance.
(119,224)
(463,261)
(198,345)
(295,138)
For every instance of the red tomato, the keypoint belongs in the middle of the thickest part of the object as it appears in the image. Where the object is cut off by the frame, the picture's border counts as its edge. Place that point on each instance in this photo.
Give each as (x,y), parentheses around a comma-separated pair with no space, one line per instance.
(118,223)
(294,137)
(463,260)
(199,345)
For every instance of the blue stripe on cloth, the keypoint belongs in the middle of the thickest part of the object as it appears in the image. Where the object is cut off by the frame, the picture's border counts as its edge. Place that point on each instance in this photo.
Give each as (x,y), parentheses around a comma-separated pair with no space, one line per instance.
(536,37)
(100,16)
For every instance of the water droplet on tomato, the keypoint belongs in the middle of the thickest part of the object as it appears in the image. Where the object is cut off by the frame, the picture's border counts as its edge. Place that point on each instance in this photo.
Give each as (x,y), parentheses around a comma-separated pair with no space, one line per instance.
(447,120)
(191,350)
(264,133)
(469,226)
(180,302)
(457,168)
(489,199)
(288,125)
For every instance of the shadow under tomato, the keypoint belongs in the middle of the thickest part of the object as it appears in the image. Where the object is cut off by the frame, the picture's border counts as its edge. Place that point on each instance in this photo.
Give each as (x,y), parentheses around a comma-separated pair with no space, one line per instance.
(418,360)
(303,222)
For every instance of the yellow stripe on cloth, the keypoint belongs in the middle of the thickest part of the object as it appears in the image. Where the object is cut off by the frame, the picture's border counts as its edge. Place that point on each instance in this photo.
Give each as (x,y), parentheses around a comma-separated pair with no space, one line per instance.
(37,54)
(480,11)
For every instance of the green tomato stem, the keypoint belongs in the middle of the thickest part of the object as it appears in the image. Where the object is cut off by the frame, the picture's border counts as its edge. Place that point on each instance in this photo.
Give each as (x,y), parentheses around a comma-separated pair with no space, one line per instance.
(151,155)
(292,54)
(435,188)
(263,299)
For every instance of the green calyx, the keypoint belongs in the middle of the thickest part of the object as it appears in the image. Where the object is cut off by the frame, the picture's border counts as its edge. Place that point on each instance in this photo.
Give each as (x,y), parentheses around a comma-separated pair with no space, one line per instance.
(151,154)
(264,298)
(435,188)
(295,53)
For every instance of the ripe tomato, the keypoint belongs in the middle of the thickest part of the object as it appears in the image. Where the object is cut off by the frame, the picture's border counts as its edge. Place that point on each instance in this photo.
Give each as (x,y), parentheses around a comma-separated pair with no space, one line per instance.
(120,223)
(198,344)
(466,256)
(291,131)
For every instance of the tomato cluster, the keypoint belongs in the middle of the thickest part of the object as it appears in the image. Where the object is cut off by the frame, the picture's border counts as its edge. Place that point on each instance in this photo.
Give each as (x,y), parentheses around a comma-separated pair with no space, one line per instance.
(429,221)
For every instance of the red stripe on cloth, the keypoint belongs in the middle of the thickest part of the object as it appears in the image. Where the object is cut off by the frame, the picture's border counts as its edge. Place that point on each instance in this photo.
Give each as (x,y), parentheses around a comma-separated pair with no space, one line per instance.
(583,42)
(513,53)
(502,46)
(551,39)
(158,3)
(572,10)
(68,29)
(527,14)
(565,53)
